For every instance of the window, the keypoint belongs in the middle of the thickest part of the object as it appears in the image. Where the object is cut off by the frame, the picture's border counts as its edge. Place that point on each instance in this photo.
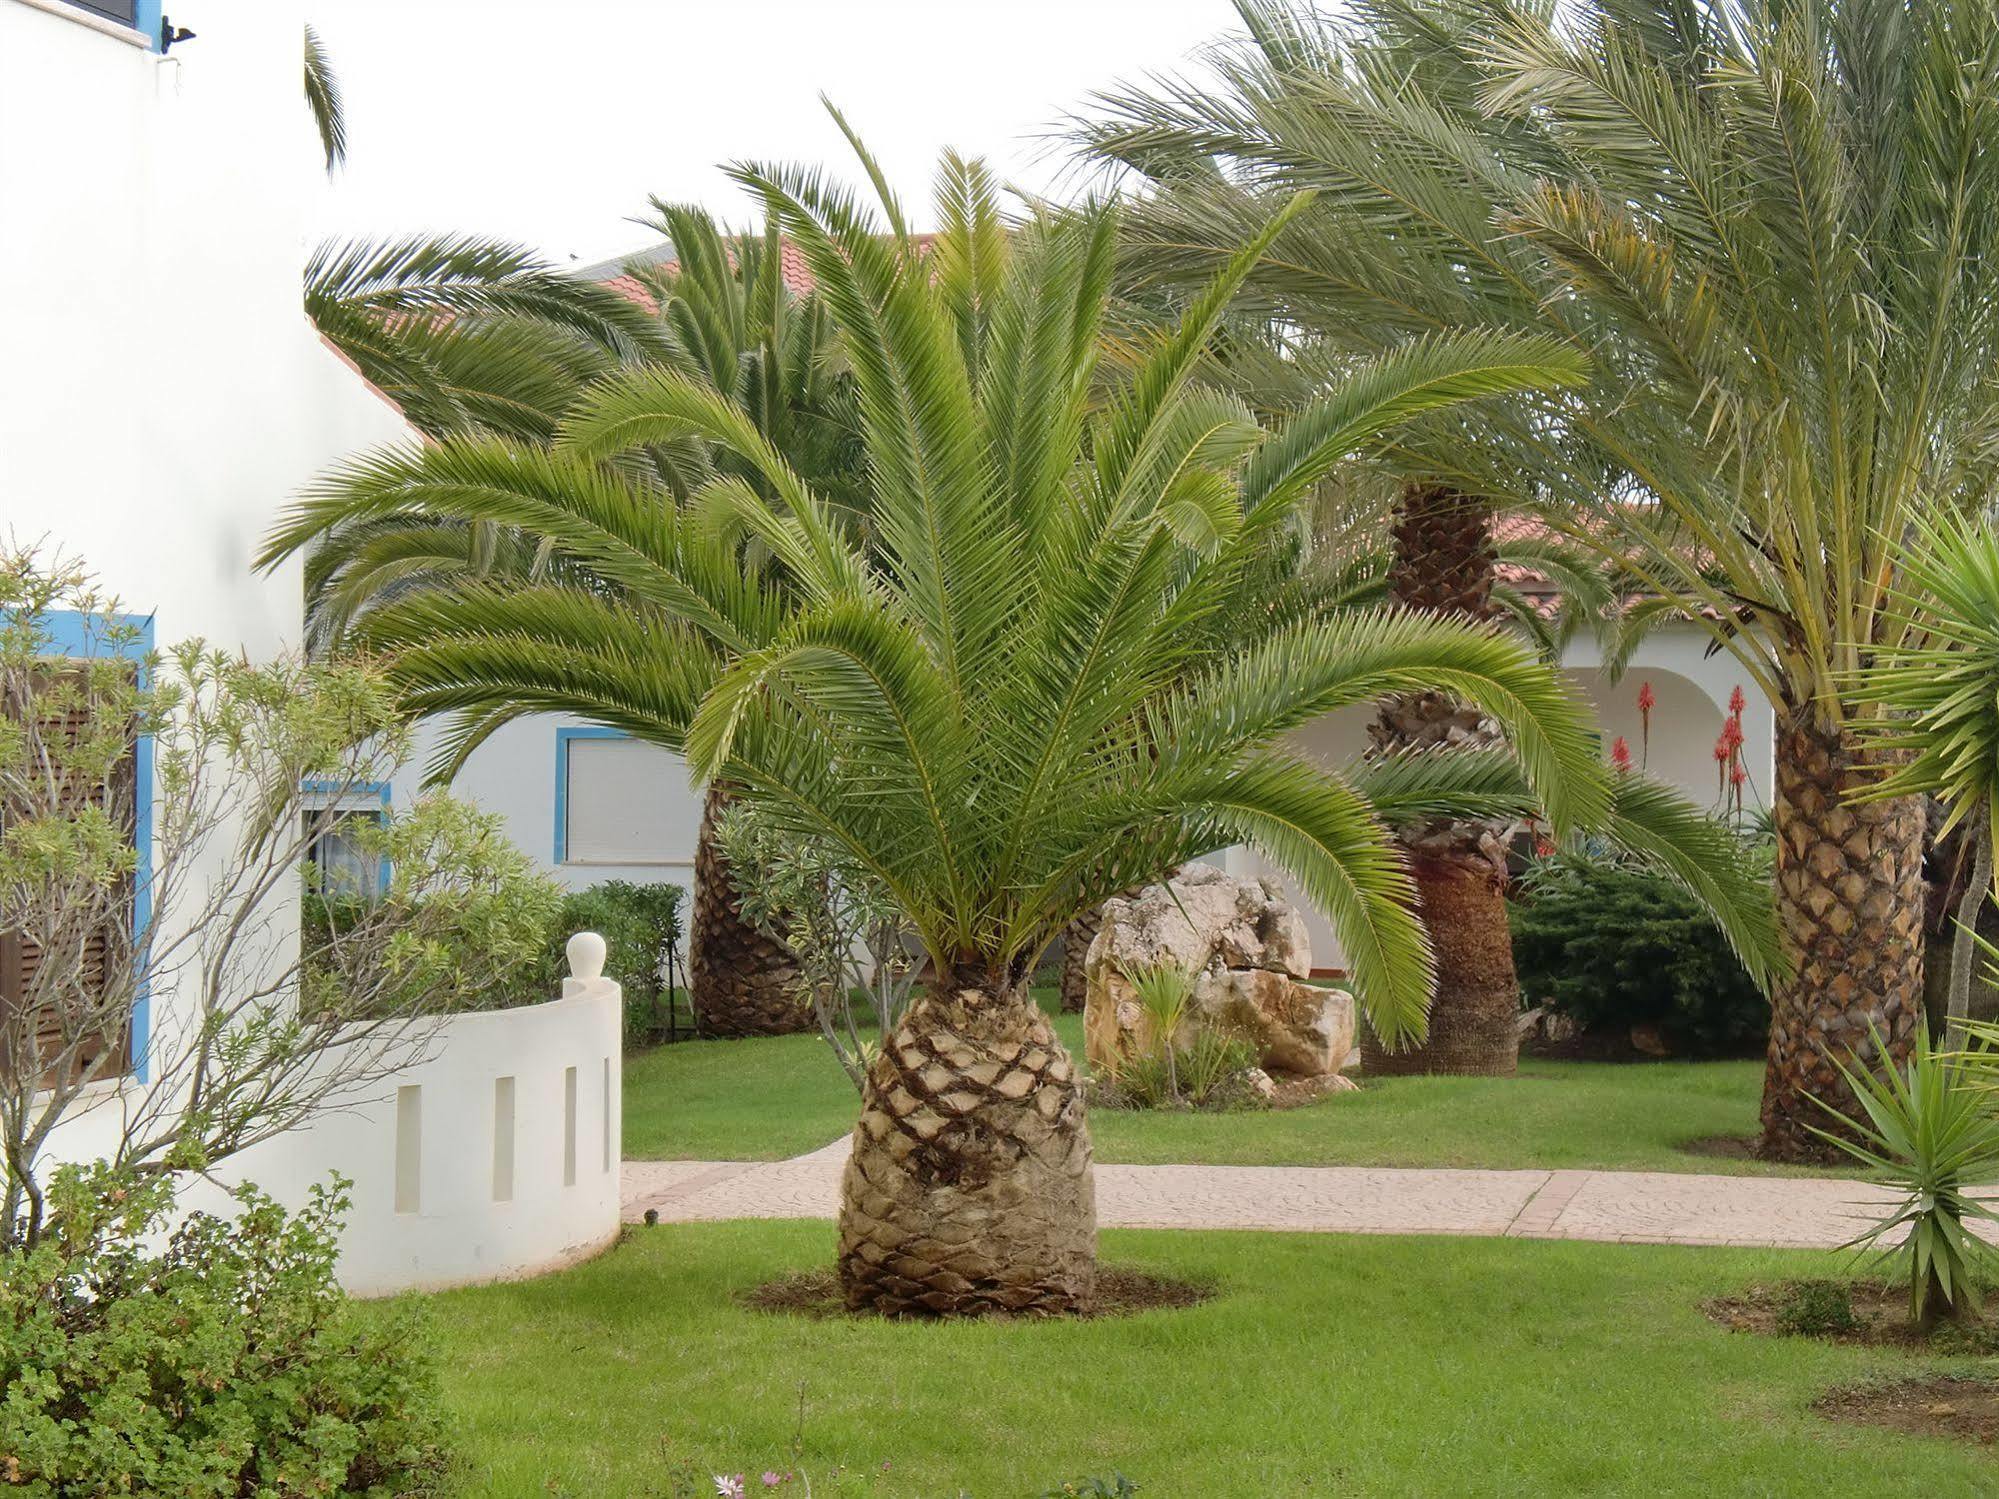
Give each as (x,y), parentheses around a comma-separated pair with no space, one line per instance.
(142,16)
(620,801)
(334,816)
(92,955)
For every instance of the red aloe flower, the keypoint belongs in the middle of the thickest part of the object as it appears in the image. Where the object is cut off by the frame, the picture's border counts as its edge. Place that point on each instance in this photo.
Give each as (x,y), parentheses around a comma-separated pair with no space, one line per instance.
(1646,702)
(1620,756)
(1736,701)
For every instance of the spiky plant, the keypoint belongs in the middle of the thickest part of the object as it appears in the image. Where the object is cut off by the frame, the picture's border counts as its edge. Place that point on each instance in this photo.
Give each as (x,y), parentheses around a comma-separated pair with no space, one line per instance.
(1007,702)
(1925,1127)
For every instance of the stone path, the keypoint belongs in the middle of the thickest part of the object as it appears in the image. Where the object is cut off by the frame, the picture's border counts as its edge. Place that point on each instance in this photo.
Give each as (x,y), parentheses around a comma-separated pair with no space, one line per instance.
(1638,1207)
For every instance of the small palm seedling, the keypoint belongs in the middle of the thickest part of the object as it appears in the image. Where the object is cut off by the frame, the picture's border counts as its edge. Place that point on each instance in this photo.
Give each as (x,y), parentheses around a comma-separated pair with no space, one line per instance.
(1929,1133)
(1164,991)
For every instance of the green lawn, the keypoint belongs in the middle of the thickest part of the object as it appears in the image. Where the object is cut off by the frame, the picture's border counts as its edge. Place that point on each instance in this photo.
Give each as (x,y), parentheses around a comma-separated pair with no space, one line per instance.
(763,1100)
(1328,1365)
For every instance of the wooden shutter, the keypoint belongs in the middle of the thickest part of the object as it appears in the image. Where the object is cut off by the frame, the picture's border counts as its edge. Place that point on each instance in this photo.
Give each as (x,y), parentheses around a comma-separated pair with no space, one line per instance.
(21,956)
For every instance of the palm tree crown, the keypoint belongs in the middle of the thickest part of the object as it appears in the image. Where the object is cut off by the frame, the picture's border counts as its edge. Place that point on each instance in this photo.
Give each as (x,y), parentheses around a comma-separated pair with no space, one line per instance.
(1004,702)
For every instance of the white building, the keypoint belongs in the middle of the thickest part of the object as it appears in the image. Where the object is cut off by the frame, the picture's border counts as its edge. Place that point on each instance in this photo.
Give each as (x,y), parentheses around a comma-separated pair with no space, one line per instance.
(162,396)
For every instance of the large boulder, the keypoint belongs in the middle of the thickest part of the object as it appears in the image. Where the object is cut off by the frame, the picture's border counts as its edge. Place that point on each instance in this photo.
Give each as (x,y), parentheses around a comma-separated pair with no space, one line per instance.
(1250,953)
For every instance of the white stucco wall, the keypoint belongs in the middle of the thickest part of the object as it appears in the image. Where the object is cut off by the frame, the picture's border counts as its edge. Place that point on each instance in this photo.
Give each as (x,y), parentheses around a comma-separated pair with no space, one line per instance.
(162,393)
(514,774)
(495,1156)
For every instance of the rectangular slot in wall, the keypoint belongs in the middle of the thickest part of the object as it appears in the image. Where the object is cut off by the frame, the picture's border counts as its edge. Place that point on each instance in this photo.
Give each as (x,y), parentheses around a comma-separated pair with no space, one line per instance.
(609,1161)
(409,1149)
(569,1126)
(503,1139)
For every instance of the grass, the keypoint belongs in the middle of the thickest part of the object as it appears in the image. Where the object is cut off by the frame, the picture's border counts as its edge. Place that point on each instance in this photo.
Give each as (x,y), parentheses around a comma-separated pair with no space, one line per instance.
(764,1100)
(1327,1365)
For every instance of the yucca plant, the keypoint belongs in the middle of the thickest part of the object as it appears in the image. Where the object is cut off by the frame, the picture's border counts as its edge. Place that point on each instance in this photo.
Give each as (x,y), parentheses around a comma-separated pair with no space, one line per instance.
(1011,698)
(1164,991)
(1926,1128)
(1937,689)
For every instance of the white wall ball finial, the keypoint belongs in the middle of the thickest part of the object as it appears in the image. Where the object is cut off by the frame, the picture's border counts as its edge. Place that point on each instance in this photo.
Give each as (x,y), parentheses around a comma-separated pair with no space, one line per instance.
(586,955)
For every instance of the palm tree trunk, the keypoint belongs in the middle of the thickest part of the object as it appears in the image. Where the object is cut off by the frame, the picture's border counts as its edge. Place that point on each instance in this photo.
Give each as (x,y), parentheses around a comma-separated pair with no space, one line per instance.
(1850,902)
(1443,563)
(1477,1033)
(969,1189)
(740,982)
(1075,953)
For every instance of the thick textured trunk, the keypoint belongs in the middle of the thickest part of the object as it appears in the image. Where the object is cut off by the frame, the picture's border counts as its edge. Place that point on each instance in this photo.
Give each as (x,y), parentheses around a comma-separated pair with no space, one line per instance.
(1075,954)
(1850,902)
(969,1189)
(1444,563)
(740,982)
(1476,1032)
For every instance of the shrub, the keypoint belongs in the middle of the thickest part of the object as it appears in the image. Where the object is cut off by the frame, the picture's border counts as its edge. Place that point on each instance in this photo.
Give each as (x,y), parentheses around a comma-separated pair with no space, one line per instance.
(462,923)
(1815,1308)
(1615,946)
(640,925)
(1925,1128)
(226,1363)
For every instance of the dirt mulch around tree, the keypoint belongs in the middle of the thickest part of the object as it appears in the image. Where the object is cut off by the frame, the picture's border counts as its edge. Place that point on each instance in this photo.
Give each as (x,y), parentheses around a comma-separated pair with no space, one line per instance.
(1879,1318)
(1121,1292)
(1935,1405)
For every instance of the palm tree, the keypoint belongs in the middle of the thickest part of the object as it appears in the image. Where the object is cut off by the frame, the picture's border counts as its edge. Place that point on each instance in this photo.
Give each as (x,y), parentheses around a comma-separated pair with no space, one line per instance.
(1005,703)
(472,336)
(1775,229)
(1341,283)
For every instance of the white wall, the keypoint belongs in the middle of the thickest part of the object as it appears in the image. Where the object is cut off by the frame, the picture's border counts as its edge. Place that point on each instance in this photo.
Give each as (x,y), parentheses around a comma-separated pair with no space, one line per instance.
(457,1178)
(162,393)
(514,774)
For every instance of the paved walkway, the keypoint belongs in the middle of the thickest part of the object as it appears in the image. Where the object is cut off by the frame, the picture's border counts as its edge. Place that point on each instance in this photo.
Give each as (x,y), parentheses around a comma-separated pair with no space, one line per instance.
(1638,1207)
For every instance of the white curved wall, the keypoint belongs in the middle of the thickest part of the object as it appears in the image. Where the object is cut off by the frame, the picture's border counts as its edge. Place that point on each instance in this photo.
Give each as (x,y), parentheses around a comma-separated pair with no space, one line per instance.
(493,1157)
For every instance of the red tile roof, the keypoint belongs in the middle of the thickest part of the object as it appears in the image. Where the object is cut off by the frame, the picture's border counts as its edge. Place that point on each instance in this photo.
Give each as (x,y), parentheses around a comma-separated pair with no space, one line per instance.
(791,261)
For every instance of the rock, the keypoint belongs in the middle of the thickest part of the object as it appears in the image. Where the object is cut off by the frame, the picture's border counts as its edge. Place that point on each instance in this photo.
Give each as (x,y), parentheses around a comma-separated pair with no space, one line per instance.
(1259,1082)
(1249,951)
(1650,1040)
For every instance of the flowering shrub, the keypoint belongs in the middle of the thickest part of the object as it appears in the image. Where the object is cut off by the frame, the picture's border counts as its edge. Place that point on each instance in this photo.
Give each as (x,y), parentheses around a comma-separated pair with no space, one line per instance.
(228,1363)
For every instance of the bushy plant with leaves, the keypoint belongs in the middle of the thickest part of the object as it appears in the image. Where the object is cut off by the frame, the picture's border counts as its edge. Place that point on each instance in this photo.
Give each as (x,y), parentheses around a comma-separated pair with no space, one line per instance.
(1925,1127)
(1614,945)
(466,917)
(226,1363)
(641,928)
(857,957)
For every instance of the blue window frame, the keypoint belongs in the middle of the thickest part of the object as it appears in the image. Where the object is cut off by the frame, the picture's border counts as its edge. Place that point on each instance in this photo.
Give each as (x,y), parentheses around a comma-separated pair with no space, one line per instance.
(81,637)
(565,737)
(375,792)
(143,16)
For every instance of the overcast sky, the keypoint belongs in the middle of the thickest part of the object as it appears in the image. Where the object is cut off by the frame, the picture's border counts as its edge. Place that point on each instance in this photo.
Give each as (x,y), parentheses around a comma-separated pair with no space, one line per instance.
(550,123)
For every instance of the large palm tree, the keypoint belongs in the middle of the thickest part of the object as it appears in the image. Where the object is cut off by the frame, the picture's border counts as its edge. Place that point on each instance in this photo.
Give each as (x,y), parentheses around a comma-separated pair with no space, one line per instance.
(472,336)
(1777,229)
(1035,682)
(1342,282)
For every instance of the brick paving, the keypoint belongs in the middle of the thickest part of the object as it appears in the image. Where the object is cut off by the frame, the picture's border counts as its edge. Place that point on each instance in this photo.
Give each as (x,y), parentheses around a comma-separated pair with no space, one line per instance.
(1639,1207)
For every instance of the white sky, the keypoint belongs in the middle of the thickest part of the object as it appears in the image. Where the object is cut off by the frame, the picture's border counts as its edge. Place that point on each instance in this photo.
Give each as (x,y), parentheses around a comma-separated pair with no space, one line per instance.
(550,121)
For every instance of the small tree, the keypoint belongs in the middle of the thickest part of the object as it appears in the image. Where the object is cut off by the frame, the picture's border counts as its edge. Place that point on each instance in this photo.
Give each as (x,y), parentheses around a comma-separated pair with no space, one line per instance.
(154,819)
(851,939)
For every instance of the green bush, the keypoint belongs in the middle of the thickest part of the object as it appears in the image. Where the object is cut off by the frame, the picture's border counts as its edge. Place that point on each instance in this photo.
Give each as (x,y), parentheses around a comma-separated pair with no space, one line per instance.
(227,1363)
(1614,946)
(640,925)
